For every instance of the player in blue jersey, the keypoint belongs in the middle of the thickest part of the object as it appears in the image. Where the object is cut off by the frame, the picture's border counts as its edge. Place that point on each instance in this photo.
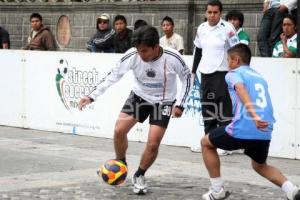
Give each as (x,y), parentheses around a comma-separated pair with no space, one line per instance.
(250,129)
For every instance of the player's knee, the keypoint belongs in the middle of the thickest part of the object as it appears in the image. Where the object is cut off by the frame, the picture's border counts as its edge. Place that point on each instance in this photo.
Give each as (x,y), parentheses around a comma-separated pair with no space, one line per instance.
(152,146)
(119,132)
(204,141)
(257,166)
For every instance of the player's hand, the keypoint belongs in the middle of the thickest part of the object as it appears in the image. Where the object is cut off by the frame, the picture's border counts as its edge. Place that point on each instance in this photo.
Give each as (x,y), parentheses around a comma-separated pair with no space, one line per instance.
(83,102)
(177,112)
(261,125)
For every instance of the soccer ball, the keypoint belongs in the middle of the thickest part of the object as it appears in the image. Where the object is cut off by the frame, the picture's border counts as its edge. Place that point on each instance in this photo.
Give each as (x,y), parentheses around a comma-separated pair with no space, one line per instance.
(63,68)
(113,172)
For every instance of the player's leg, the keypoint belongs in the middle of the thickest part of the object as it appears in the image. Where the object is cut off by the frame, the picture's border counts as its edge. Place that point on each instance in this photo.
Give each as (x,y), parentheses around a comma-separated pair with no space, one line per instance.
(275,176)
(149,155)
(123,125)
(216,138)
(131,113)
(159,120)
(258,152)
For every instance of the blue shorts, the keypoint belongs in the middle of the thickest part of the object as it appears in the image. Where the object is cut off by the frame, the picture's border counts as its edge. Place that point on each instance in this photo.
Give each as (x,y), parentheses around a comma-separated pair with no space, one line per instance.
(257,150)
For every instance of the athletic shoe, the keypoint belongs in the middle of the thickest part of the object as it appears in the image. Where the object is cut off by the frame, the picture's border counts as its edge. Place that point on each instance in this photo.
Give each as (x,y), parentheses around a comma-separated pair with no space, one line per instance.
(222,152)
(212,195)
(296,194)
(196,149)
(139,184)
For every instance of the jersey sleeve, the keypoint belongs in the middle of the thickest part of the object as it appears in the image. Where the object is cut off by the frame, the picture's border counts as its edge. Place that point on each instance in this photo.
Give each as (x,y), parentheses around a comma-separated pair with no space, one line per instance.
(197,41)
(184,74)
(232,78)
(122,66)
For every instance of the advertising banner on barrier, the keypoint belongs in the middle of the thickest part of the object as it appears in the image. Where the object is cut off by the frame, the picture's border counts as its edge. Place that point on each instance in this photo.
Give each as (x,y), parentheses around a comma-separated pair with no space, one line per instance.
(12,110)
(41,90)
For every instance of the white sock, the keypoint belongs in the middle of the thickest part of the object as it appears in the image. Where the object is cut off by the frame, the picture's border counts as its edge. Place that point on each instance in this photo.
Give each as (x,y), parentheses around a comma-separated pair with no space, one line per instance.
(288,188)
(216,184)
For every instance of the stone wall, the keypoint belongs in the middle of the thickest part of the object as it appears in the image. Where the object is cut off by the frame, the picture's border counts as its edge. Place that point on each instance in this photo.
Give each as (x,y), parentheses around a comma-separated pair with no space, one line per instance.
(187,14)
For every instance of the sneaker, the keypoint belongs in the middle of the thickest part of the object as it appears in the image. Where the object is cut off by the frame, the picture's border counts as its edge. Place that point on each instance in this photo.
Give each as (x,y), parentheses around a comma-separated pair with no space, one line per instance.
(212,195)
(196,149)
(139,184)
(296,194)
(222,152)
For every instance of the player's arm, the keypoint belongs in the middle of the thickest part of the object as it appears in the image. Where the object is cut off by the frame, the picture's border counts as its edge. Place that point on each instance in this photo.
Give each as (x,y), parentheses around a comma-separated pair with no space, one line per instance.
(245,98)
(112,77)
(185,78)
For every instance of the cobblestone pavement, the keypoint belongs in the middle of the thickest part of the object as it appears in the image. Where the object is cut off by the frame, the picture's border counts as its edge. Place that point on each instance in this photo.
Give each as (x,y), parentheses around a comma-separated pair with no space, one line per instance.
(47,165)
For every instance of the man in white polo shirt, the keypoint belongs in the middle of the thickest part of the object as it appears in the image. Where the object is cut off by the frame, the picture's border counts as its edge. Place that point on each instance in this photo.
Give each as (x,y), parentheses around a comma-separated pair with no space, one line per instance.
(214,37)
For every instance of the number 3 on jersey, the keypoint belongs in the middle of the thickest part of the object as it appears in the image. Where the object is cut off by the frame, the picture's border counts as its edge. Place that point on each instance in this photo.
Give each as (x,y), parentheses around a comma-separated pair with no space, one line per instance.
(261,101)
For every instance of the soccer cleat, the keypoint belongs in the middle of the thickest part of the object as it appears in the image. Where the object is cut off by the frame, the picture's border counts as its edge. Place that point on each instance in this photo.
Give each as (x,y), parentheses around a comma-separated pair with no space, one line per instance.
(139,184)
(212,195)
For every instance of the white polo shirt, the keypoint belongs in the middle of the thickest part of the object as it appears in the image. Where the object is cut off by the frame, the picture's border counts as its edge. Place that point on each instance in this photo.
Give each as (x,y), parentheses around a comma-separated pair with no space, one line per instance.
(214,42)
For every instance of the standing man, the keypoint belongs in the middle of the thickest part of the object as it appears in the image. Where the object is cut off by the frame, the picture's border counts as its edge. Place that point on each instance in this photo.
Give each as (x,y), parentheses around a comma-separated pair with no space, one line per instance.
(122,38)
(236,18)
(171,39)
(4,39)
(251,127)
(40,37)
(153,95)
(214,37)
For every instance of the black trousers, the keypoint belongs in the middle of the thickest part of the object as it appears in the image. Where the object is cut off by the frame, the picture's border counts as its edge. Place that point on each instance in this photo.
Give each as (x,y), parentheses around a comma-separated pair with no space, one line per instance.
(215,101)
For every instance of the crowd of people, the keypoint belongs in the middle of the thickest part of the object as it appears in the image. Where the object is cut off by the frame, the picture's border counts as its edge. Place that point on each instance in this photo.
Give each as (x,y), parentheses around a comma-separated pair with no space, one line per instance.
(277,35)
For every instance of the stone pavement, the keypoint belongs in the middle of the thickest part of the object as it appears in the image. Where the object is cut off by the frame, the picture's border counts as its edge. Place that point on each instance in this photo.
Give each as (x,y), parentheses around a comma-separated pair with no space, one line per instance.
(48,165)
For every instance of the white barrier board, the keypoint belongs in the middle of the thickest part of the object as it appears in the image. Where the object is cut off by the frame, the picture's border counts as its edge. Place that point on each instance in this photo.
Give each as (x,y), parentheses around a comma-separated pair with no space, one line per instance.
(47,87)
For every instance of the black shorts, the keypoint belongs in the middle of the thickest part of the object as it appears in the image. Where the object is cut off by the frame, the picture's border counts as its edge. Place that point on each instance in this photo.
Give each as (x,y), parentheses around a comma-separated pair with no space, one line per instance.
(159,114)
(215,101)
(257,150)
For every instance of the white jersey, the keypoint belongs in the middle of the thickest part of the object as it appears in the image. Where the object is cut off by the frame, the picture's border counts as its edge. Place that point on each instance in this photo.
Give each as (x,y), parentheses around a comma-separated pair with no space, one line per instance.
(214,42)
(154,81)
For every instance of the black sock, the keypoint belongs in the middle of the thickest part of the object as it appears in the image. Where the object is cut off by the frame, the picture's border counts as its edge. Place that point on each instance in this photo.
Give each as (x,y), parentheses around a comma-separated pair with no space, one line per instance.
(124,161)
(139,172)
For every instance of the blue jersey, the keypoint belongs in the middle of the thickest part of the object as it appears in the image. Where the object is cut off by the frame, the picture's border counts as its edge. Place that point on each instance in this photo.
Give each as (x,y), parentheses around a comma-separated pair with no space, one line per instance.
(242,125)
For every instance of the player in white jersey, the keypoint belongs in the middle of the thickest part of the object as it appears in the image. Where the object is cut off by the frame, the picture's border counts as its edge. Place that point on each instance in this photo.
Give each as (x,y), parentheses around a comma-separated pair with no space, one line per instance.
(155,72)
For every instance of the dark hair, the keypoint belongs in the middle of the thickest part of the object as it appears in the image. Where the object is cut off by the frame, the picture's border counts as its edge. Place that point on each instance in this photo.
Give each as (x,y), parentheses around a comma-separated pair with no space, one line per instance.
(120,17)
(147,35)
(138,23)
(235,14)
(36,15)
(292,18)
(168,19)
(214,3)
(243,51)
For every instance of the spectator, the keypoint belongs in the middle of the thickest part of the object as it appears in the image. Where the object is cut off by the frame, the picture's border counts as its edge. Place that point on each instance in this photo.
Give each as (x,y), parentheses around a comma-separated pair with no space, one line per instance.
(237,19)
(103,39)
(287,46)
(4,39)
(271,24)
(138,23)
(122,38)
(40,37)
(171,39)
